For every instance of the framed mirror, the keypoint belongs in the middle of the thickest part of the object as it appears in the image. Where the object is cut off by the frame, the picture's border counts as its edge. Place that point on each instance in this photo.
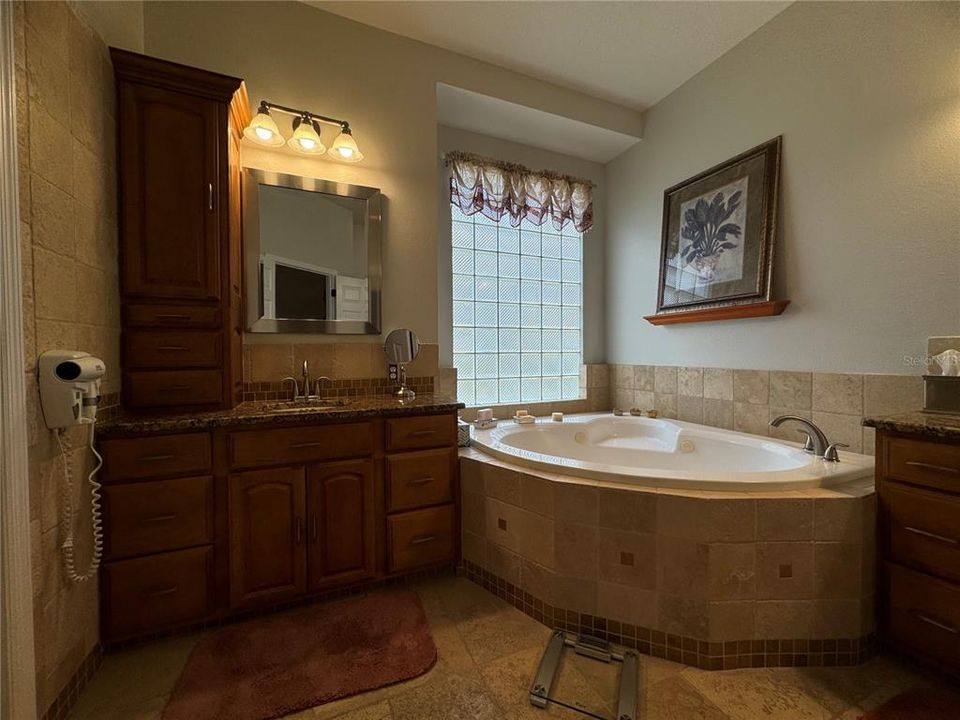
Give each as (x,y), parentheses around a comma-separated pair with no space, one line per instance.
(311,251)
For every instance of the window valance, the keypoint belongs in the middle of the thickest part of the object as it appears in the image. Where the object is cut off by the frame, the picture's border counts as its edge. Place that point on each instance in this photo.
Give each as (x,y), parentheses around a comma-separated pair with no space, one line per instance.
(495,189)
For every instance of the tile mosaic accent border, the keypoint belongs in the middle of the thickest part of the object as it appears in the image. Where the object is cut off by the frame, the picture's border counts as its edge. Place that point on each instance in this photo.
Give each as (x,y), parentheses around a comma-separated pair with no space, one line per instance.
(341,388)
(729,655)
(67,698)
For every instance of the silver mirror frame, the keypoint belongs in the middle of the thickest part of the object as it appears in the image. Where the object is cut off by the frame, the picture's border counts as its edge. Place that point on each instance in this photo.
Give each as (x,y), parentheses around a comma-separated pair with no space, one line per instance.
(252,179)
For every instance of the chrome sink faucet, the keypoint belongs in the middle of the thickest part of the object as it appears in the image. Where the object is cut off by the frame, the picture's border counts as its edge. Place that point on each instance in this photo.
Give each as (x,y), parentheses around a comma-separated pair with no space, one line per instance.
(301,389)
(817,443)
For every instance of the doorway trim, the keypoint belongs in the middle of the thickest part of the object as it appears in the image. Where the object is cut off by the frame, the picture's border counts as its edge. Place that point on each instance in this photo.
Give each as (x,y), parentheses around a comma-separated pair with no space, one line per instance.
(18,697)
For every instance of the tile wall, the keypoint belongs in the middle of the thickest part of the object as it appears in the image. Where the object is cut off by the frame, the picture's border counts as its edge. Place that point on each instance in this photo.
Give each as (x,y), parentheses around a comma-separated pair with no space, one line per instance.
(66,156)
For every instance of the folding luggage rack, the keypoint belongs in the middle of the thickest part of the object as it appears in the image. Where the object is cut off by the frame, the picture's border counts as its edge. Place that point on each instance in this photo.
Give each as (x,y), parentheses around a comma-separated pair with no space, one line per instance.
(597,649)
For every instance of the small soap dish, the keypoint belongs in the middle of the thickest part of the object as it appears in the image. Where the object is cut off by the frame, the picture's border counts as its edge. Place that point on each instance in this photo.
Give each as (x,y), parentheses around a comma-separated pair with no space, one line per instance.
(524,419)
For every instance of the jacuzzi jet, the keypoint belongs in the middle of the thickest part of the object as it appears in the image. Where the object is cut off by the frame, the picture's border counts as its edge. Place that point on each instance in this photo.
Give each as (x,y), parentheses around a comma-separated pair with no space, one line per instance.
(687,446)
(580,437)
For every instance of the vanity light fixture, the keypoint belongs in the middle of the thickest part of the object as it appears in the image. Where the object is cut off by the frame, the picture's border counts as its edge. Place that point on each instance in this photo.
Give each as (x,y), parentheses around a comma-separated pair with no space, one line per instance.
(306,133)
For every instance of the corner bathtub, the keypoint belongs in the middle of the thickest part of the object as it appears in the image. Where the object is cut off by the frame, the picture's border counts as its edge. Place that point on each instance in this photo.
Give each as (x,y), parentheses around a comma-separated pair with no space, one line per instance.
(665,453)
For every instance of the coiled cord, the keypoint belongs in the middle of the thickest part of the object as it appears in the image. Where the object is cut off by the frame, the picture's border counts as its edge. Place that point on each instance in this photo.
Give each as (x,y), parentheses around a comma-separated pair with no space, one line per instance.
(69,560)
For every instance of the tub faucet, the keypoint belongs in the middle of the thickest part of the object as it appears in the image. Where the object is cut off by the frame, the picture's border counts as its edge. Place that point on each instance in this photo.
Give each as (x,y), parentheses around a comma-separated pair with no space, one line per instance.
(817,443)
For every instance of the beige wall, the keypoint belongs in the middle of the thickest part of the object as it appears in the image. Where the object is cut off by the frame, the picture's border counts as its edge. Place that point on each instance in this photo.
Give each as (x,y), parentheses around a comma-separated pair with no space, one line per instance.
(593,242)
(385,85)
(866,98)
(66,151)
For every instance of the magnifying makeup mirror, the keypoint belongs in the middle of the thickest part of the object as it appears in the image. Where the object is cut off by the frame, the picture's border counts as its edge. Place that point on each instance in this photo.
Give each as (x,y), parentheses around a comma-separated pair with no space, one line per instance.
(401,347)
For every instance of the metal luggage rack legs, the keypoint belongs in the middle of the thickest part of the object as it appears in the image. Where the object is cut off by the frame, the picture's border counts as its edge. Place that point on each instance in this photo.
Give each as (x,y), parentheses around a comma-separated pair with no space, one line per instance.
(598,650)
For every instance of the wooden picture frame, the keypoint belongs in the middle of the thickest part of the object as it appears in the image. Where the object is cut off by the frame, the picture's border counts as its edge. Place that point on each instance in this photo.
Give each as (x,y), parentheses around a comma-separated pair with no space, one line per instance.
(718,239)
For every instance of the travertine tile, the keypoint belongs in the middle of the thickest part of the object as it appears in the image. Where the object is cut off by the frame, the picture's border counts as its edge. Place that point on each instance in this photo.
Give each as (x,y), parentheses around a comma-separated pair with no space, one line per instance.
(846,429)
(675,699)
(51,21)
(503,524)
(319,358)
(750,418)
(690,409)
(718,383)
(577,503)
(885,394)
(718,413)
(683,615)
(575,546)
(55,286)
(785,618)
(536,494)
(785,519)
(272,362)
(623,376)
(869,441)
(751,386)
(644,377)
(644,399)
(51,151)
(632,605)
(838,393)
(354,360)
(731,620)
(791,389)
(837,618)
(756,696)
(537,580)
(622,398)
(501,483)
(665,405)
(838,519)
(537,538)
(665,380)
(474,548)
(471,476)
(732,574)
(473,513)
(598,375)
(708,520)
(575,593)
(627,558)
(785,571)
(627,510)
(504,562)
(683,566)
(690,381)
(837,570)
(47,74)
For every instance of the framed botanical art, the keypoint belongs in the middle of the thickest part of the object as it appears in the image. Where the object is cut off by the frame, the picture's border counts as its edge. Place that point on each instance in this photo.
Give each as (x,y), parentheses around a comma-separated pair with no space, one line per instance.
(718,237)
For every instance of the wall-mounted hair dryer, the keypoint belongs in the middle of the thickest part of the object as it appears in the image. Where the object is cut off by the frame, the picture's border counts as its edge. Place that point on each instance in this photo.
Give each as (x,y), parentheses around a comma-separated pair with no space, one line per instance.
(69,392)
(69,387)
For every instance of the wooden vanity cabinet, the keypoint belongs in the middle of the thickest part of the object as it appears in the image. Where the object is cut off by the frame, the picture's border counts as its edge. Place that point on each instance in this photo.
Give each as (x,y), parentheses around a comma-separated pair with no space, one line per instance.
(200,525)
(178,132)
(918,482)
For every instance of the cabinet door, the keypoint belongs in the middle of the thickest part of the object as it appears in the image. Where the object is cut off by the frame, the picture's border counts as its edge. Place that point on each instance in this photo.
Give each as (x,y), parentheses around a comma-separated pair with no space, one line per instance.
(341,523)
(169,180)
(267,535)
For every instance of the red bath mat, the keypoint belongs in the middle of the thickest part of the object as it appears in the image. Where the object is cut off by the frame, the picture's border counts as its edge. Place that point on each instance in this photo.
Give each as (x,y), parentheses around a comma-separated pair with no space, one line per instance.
(276,665)
(918,704)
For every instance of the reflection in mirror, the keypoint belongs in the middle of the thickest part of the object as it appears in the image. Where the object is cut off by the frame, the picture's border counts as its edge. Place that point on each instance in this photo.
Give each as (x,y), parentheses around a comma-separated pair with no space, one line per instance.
(312,255)
(401,347)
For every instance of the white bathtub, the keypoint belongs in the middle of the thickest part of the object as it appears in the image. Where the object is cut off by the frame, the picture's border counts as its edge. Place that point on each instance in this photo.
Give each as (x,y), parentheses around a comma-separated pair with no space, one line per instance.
(666,453)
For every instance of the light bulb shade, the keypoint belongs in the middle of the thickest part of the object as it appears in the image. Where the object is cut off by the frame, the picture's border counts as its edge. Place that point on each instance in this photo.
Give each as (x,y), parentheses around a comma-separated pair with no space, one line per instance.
(263,130)
(345,148)
(306,137)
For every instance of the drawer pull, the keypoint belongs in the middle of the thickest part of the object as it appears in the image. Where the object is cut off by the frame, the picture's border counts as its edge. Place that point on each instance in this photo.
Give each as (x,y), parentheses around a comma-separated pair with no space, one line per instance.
(298,530)
(313,527)
(423,540)
(165,591)
(157,458)
(932,536)
(160,518)
(422,433)
(936,623)
(301,446)
(420,481)
(172,348)
(931,466)
(171,316)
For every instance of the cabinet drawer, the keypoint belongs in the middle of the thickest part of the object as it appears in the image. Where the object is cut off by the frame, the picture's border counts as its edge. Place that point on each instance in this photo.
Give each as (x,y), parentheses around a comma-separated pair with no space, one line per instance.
(289,446)
(420,538)
(150,517)
(923,529)
(419,479)
(180,316)
(924,615)
(166,388)
(151,593)
(172,349)
(157,456)
(413,433)
(922,462)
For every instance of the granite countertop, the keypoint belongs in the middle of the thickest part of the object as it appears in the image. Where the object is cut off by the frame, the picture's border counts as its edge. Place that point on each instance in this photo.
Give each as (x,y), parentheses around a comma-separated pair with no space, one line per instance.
(935,425)
(275,413)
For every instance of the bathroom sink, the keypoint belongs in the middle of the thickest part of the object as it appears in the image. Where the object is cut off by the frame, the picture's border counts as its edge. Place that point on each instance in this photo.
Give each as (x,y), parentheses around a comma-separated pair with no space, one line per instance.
(295,406)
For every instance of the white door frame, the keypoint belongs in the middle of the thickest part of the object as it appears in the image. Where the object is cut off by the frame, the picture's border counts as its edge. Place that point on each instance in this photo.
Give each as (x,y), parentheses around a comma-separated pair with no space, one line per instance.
(18,698)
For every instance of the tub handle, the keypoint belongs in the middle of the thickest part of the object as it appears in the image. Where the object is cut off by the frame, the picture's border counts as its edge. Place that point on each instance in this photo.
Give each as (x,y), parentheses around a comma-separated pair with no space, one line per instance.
(932,536)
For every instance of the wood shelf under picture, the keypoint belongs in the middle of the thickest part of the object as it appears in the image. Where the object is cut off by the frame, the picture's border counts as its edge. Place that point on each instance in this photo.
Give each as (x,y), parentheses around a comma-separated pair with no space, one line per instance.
(767,308)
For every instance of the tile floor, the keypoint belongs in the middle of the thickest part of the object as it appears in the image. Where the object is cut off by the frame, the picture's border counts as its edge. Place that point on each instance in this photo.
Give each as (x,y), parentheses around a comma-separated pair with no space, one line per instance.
(488,653)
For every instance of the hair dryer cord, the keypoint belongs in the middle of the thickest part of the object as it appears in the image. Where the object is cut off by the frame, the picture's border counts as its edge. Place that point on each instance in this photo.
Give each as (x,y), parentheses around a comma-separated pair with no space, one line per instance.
(69,514)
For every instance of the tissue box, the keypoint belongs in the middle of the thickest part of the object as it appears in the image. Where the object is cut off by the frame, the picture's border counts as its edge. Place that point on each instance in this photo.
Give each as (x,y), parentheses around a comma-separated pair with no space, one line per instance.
(941,393)
(463,434)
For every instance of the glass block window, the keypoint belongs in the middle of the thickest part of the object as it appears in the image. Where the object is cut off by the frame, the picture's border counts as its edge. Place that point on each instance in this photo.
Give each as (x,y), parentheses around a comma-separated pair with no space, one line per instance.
(517,311)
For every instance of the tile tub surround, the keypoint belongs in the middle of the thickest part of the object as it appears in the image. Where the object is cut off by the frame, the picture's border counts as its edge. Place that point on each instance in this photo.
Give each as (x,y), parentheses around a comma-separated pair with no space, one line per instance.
(746,400)
(715,580)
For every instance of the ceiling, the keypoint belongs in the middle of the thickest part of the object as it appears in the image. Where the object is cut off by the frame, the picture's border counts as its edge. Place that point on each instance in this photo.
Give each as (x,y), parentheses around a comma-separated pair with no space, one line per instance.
(629,53)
